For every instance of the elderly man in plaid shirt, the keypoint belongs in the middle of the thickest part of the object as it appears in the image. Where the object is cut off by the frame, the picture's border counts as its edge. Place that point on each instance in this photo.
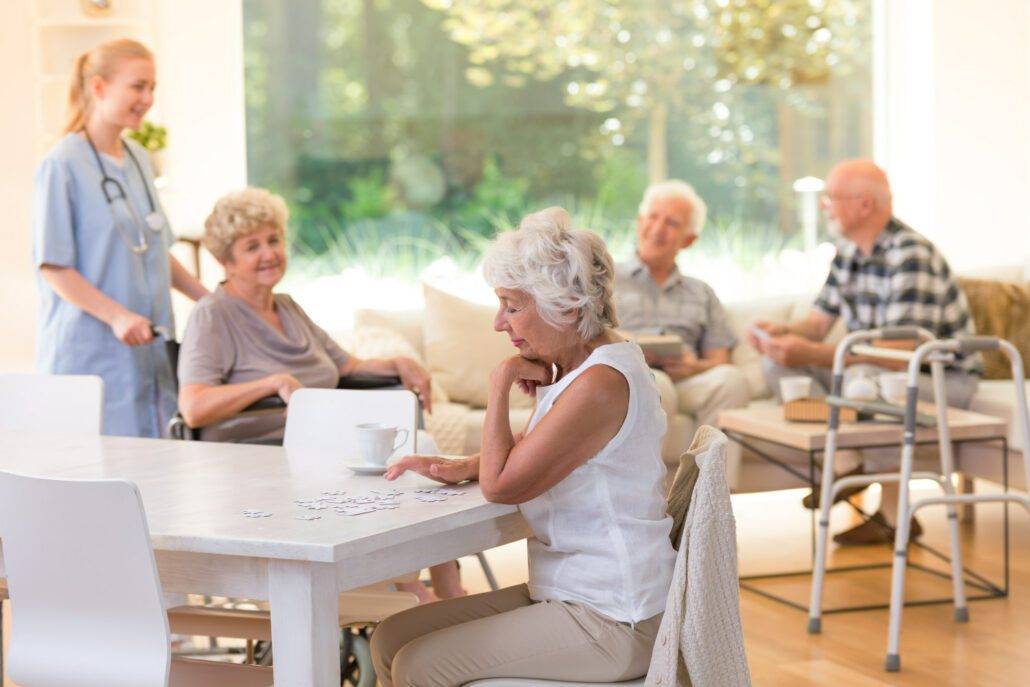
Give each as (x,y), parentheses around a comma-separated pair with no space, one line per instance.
(885,274)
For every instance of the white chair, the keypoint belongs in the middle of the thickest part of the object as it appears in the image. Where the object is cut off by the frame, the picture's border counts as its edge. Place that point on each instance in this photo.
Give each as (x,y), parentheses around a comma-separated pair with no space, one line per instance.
(323,421)
(51,403)
(105,624)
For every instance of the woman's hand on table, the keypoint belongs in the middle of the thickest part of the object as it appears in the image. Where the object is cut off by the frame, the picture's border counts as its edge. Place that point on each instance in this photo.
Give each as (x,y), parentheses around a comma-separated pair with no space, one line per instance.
(446,470)
(415,377)
(527,374)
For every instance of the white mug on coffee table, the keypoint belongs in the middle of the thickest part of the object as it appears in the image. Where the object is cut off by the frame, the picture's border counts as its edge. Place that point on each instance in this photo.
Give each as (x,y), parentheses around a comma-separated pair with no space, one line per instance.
(894,387)
(793,388)
(377,441)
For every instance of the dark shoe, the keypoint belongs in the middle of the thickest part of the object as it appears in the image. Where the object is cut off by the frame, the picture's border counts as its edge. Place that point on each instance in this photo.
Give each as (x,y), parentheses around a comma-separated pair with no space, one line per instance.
(875,530)
(811,502)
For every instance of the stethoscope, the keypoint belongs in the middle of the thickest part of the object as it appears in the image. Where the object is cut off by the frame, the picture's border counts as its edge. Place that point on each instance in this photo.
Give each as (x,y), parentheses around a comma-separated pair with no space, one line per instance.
(114,191)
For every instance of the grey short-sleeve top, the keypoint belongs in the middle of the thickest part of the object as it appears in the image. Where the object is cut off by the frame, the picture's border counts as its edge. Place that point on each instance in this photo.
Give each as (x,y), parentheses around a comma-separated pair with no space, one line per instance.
(227,342)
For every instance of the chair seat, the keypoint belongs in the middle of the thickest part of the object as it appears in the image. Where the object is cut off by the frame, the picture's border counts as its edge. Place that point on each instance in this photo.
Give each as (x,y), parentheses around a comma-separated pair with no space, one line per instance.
(526,682)
(356,608)
(189,672)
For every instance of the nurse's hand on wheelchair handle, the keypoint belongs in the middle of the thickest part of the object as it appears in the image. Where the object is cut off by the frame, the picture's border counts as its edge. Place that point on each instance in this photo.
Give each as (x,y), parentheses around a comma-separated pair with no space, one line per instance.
(283,385)
(132,329)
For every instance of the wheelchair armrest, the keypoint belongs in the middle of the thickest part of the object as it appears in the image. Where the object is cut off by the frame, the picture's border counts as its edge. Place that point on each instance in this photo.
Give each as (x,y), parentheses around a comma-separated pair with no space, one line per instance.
(363,381)
(266,403)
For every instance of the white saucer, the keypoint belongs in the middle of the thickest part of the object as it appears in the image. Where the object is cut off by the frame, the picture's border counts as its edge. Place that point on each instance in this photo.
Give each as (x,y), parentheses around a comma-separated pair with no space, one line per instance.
(366,469)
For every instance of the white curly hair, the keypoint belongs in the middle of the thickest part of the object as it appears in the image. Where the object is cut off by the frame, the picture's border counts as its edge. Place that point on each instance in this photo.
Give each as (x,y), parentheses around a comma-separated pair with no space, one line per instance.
(568,272)
(674,188)
(242,213)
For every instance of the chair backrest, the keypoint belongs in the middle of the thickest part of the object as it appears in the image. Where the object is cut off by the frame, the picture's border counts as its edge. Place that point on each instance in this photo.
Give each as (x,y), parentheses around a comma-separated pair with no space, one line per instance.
(52,403)
(322,421)
(84,588)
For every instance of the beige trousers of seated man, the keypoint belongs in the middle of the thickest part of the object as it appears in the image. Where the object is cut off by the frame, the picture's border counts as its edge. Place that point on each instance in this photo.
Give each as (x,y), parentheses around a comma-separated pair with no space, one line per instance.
(702,397)
(507,634)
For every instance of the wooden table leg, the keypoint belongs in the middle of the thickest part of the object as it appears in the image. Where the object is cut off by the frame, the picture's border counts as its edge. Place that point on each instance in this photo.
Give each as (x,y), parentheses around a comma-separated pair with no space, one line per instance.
(305,624)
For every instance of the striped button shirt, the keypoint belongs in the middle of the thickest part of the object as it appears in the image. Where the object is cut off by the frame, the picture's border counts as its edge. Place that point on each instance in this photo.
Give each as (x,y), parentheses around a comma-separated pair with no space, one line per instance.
(905,281)
(684,306)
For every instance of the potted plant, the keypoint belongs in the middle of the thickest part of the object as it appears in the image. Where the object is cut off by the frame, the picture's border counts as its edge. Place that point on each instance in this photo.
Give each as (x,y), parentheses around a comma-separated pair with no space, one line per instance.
(154,138)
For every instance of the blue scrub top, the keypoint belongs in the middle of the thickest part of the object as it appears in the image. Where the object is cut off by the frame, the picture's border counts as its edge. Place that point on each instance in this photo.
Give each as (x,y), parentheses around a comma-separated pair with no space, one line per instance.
(73,226)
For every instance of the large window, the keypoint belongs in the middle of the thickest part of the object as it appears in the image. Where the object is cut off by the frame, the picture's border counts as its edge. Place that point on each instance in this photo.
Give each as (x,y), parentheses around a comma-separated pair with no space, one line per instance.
(405,133)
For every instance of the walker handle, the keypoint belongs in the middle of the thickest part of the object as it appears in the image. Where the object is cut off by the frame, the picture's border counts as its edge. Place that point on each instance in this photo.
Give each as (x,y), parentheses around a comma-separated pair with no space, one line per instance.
(899,333)
(971,344)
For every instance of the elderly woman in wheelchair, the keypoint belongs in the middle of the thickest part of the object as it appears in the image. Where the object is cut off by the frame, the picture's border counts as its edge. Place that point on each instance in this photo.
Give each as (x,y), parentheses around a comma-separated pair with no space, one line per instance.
(244,342)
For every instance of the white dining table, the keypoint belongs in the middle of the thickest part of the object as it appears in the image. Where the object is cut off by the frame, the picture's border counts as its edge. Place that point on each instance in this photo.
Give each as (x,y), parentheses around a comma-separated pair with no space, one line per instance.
(195,493)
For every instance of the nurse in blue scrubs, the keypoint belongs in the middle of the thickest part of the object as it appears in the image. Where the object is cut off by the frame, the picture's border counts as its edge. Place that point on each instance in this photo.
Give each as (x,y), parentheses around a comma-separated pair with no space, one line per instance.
(101,244)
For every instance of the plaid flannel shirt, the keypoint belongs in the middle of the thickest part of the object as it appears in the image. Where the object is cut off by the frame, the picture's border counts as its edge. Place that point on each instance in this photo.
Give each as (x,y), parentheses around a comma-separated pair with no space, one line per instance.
(905,281)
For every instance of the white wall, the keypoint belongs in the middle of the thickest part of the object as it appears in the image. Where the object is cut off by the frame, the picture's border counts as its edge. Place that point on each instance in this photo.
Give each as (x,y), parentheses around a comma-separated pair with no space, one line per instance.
(956,105)
(199,46)
(17,131)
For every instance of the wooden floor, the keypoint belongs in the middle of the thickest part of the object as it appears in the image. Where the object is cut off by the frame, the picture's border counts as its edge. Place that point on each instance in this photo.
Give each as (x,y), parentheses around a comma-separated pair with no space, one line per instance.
(773,535)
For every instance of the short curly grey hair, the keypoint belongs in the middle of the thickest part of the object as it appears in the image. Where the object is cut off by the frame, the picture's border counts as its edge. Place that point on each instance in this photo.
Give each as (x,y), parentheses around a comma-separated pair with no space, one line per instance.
(568,272)
(674,188)
(241,213)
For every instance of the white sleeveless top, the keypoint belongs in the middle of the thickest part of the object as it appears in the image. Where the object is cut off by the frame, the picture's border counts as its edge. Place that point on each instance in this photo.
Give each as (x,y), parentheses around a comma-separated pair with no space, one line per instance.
(601,535)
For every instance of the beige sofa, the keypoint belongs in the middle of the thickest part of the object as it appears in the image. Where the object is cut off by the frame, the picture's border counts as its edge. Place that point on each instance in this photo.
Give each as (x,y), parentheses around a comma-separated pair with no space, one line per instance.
(454,338)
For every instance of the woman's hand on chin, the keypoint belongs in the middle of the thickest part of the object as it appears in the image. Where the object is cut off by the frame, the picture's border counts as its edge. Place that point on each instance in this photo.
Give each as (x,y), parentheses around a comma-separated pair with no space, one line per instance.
(446,470)
(527,374)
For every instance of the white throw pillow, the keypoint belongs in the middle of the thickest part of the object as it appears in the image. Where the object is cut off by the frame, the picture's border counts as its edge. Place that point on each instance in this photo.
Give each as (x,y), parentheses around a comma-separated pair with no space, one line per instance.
(462,348)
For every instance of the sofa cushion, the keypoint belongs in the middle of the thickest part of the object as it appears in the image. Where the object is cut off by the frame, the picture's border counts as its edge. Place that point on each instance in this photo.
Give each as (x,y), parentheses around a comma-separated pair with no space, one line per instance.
(407,323)
(1000,309)
(462,348)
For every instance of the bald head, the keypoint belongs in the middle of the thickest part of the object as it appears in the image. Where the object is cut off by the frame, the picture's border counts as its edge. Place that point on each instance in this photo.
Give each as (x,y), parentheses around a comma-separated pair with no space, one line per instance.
(858,199)
(860,177)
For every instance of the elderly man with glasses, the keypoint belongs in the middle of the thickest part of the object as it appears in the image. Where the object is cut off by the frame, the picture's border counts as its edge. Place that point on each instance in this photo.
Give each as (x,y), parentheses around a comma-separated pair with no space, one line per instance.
(885,274)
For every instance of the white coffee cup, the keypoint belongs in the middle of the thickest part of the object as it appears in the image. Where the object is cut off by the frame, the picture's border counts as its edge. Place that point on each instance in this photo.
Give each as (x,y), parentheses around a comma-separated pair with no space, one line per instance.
(377,442)
(793,388)
(894,387)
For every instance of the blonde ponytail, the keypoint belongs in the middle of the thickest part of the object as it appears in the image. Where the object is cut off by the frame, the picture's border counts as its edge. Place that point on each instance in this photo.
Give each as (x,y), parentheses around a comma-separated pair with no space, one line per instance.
(100,61)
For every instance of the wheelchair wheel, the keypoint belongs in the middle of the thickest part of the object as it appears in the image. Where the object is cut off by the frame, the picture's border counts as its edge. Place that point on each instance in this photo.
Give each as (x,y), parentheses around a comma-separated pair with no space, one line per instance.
(356,658)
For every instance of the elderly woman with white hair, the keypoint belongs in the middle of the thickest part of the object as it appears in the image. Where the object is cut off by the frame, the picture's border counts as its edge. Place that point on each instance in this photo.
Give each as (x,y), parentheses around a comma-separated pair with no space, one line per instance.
(586,474)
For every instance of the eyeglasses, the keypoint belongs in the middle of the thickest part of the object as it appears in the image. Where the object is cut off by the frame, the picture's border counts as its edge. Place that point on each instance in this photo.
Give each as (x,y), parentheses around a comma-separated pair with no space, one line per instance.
(827,199)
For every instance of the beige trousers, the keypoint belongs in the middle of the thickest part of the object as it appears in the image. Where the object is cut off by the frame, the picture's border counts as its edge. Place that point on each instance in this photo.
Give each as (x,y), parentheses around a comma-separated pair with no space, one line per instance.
(507,634)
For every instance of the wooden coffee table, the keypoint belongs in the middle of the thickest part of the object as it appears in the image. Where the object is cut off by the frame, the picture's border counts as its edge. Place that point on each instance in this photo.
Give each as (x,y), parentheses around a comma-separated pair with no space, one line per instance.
(751,427)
